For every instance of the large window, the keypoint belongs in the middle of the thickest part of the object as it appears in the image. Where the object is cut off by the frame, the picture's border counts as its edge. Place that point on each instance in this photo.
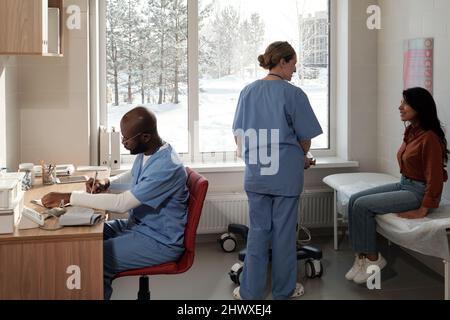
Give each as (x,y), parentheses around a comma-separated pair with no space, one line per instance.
(233,33)
(148,48)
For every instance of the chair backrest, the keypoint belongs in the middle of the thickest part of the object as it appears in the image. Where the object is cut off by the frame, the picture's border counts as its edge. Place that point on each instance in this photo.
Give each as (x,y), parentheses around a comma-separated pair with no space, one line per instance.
(198,187)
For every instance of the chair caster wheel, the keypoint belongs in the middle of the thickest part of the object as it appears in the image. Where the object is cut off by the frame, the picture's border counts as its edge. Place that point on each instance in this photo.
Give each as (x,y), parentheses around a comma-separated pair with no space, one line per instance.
(314,269)
(228,242)
(236,273)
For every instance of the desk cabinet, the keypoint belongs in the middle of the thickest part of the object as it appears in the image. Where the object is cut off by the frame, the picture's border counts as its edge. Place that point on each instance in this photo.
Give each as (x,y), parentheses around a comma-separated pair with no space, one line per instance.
(24,27)
(34,264)
(37,270)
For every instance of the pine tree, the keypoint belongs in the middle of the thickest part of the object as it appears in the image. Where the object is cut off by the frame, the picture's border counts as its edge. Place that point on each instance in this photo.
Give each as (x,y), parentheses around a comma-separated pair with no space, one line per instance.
(158,12)
(143,59)
(255,39)
(225,34)
(205,58)
(178,50)
(132,27)
(115,15)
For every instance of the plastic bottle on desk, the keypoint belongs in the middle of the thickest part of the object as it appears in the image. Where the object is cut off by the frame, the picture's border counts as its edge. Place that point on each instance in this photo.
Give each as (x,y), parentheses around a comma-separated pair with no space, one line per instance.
(28,181)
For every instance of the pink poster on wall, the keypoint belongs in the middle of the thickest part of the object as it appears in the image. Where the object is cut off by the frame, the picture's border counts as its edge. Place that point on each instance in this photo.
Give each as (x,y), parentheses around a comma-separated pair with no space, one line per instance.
(418,64)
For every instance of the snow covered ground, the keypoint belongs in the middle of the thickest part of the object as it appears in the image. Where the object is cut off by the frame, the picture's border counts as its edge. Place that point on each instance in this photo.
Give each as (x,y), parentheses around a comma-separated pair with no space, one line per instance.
(218,100)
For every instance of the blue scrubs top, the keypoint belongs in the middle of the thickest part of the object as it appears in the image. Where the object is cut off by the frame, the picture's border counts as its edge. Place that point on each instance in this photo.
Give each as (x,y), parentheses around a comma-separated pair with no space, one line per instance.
(271,105)
(161,188)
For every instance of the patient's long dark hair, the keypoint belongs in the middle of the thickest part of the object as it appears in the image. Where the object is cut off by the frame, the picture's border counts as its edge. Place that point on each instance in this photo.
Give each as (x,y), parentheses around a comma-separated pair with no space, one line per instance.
(423,103)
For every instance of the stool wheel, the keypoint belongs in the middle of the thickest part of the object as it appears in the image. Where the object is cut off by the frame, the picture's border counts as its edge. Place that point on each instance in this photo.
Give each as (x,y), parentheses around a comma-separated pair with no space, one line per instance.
(236,273)
(313,269)
(228,242)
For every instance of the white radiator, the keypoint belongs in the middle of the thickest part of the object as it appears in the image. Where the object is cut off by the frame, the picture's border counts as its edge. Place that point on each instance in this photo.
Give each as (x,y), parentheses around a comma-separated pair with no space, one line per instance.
(316,210)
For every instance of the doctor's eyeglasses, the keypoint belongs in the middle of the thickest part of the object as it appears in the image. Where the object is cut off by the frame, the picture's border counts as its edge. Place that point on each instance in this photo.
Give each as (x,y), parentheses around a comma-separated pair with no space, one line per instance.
(125,140)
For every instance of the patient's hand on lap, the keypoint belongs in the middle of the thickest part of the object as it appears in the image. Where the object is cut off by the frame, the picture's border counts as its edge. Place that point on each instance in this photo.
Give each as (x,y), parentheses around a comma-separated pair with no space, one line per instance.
(414,214)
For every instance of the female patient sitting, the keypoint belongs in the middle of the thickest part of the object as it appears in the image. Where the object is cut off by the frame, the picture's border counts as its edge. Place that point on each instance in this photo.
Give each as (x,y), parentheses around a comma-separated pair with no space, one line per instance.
(422,158)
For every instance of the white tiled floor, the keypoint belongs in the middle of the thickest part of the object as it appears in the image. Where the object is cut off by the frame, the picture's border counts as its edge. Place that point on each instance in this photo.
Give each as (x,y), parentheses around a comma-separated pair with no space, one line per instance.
(404,278)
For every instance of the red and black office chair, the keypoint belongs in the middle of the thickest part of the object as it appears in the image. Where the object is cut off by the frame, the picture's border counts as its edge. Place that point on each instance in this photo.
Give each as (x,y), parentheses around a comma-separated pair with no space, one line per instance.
(198,187)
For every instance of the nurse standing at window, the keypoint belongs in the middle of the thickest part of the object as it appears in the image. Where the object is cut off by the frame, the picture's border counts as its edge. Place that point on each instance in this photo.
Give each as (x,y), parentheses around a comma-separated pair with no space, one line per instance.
(273,126)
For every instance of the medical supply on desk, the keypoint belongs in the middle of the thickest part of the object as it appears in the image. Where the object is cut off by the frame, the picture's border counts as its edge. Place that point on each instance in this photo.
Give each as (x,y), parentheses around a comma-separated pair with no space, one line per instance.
(72,179)
(77,216)
(30,219)
(92,168)
(9,217)
(6,221)
(9,190)
(61,170)
(28,181)
(48,174)
(55,212)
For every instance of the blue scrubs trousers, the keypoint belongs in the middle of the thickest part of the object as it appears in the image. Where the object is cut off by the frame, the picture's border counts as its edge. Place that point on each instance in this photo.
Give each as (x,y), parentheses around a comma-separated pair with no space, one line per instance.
(127,249)
(273,223)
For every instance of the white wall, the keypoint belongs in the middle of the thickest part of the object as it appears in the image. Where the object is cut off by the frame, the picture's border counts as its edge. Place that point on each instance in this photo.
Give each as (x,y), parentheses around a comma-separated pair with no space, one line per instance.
(406,19)
(356,84)
(9,114)
(362,89)
(54,103)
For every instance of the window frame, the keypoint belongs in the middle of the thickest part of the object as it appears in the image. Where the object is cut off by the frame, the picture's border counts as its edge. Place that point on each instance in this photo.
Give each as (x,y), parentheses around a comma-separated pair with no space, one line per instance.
(99,112)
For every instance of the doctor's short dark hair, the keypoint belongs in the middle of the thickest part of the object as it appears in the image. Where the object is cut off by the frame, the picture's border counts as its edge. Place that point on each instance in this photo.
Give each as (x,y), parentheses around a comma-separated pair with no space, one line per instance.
(275,53)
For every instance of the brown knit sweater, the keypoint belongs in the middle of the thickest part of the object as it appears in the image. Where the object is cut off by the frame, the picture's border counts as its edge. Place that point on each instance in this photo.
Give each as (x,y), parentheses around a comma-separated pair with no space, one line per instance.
(421,158)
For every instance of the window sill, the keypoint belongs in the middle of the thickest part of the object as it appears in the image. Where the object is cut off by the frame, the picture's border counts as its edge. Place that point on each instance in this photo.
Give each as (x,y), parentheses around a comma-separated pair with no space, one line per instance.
(334,163)
(322,163)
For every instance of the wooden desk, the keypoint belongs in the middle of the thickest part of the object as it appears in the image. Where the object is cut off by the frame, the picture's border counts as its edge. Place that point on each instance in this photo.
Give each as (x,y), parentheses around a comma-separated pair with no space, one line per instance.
(34,263)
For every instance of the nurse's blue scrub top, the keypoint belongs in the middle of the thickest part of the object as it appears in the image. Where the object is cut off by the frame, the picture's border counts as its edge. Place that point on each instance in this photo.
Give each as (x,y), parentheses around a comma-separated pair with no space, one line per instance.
(161,188)
(278,105)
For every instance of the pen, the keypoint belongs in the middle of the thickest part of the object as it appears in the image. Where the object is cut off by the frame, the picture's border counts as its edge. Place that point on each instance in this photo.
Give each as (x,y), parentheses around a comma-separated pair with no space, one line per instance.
(93,183)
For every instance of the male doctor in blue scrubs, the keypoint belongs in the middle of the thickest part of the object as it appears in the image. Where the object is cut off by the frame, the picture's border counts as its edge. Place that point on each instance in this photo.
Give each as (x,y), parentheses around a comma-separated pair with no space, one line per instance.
(154,193)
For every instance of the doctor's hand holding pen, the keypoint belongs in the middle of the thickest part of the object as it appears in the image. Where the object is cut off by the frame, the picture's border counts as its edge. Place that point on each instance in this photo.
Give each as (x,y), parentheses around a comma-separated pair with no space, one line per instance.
(94,186)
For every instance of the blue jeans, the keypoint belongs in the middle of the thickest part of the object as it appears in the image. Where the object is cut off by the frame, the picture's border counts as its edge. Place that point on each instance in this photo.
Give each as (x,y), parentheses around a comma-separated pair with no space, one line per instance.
(364,206)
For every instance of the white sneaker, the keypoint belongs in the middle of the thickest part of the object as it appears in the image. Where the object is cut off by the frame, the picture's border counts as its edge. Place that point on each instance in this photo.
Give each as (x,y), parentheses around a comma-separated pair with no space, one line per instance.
(237,294)
(363,276)
(355,269)
(298,292)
